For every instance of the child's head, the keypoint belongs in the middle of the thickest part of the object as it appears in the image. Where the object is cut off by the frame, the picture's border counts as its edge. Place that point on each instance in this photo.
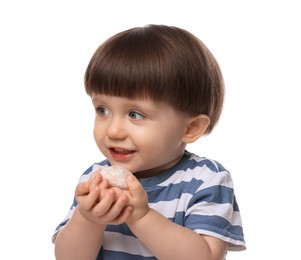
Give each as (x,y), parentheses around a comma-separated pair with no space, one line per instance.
(162,63)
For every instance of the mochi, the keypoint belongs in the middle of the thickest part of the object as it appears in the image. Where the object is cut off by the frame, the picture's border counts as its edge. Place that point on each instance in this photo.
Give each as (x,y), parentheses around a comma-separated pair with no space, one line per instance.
(116,176)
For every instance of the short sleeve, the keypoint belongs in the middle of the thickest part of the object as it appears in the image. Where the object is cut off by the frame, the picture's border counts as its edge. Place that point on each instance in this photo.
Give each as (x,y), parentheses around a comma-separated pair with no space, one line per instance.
(213,210)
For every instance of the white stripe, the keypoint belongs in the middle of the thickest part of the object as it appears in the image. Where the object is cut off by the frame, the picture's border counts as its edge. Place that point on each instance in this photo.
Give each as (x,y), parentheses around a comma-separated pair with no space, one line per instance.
(70,213)
(169,208)
(186,176)
(203,173)
(118,242)
(177,177)
(213,209)
(234,245)
(199,159)
(236,219)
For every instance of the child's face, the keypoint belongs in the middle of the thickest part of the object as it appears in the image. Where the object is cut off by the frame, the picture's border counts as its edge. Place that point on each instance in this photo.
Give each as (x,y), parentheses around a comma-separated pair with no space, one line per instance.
(143,136)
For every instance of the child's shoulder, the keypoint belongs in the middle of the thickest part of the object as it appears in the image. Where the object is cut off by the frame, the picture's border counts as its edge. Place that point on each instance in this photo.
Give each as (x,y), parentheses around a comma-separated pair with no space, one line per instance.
(205,169)
(193,161)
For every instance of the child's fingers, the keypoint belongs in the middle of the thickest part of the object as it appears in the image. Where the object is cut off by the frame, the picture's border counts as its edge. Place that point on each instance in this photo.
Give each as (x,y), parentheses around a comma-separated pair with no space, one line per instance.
(104,184)
(135,188)
(115,211)
(105,203)
(118,206)
(87,202)
(123,215)
(138,200)
(94,180)
(81,189)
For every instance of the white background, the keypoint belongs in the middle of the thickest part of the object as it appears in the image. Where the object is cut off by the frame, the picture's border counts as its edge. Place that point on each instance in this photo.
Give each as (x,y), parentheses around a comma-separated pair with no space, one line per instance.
(46,118)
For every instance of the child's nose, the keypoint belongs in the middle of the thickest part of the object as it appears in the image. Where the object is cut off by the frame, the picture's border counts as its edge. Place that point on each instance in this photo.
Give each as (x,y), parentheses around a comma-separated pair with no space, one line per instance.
(116,129)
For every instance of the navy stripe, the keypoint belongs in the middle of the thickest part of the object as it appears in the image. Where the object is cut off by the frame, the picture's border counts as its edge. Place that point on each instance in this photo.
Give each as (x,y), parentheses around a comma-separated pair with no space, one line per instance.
(178,218)
(104,163)
(123,229)
(220,167)
(191,163)
(88,170)
(74,204)
(216,194)
(214,224)
(173,191)
(235,205)
(61,224)
(112,255)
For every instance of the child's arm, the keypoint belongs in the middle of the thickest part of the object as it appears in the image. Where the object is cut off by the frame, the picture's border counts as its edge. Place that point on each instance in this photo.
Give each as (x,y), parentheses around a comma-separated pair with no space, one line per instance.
(165,239)
(81,237)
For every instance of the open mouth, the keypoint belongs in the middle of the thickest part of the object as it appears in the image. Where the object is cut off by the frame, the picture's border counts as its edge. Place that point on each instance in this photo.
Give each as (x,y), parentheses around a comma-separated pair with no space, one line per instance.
(120,153)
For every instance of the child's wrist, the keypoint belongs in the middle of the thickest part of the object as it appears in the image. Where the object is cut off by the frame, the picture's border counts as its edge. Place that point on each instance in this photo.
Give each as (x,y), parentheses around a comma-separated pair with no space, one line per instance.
(139,218)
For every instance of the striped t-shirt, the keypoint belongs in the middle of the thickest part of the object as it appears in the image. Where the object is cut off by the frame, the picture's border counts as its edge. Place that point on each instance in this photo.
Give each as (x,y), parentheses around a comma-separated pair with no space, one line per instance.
(197,193)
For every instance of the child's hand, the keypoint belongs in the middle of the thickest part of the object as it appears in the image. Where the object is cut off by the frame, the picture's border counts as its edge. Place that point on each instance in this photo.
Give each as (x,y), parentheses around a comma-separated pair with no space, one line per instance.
(138,200)
(101,204)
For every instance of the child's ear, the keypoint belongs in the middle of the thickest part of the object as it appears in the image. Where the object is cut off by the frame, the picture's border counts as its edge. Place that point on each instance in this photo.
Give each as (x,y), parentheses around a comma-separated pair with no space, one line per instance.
(196,127)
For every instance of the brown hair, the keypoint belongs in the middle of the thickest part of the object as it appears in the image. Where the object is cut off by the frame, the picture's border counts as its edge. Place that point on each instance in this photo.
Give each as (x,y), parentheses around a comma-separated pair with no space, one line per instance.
(161,63)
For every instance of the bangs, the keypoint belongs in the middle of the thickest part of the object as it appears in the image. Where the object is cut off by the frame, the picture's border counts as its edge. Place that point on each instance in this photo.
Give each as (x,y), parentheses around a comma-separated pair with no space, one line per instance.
(128,65)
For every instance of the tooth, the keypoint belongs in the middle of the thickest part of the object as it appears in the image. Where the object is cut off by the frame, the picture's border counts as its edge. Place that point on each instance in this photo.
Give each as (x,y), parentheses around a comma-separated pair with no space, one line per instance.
(121,150)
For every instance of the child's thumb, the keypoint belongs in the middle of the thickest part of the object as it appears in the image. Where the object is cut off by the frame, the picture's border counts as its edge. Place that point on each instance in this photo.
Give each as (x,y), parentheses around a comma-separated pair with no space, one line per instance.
(135,187)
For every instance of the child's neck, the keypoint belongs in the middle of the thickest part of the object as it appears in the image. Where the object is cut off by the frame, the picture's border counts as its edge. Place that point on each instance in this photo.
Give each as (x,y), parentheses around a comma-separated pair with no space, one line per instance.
(158,170)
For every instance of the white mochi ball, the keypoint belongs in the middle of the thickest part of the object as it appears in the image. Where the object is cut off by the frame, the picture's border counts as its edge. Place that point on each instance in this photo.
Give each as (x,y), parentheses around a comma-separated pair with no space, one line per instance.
(116,176)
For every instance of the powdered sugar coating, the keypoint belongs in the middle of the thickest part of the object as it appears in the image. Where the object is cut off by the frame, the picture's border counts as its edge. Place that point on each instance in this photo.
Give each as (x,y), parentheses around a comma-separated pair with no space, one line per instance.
(116,176)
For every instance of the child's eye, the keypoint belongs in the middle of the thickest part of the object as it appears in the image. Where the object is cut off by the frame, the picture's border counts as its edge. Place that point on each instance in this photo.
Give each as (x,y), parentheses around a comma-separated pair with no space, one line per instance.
(136,115)
(102,111)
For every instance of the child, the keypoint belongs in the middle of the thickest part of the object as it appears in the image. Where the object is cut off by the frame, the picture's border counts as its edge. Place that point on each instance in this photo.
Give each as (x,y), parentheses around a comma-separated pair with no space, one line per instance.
(155,89)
